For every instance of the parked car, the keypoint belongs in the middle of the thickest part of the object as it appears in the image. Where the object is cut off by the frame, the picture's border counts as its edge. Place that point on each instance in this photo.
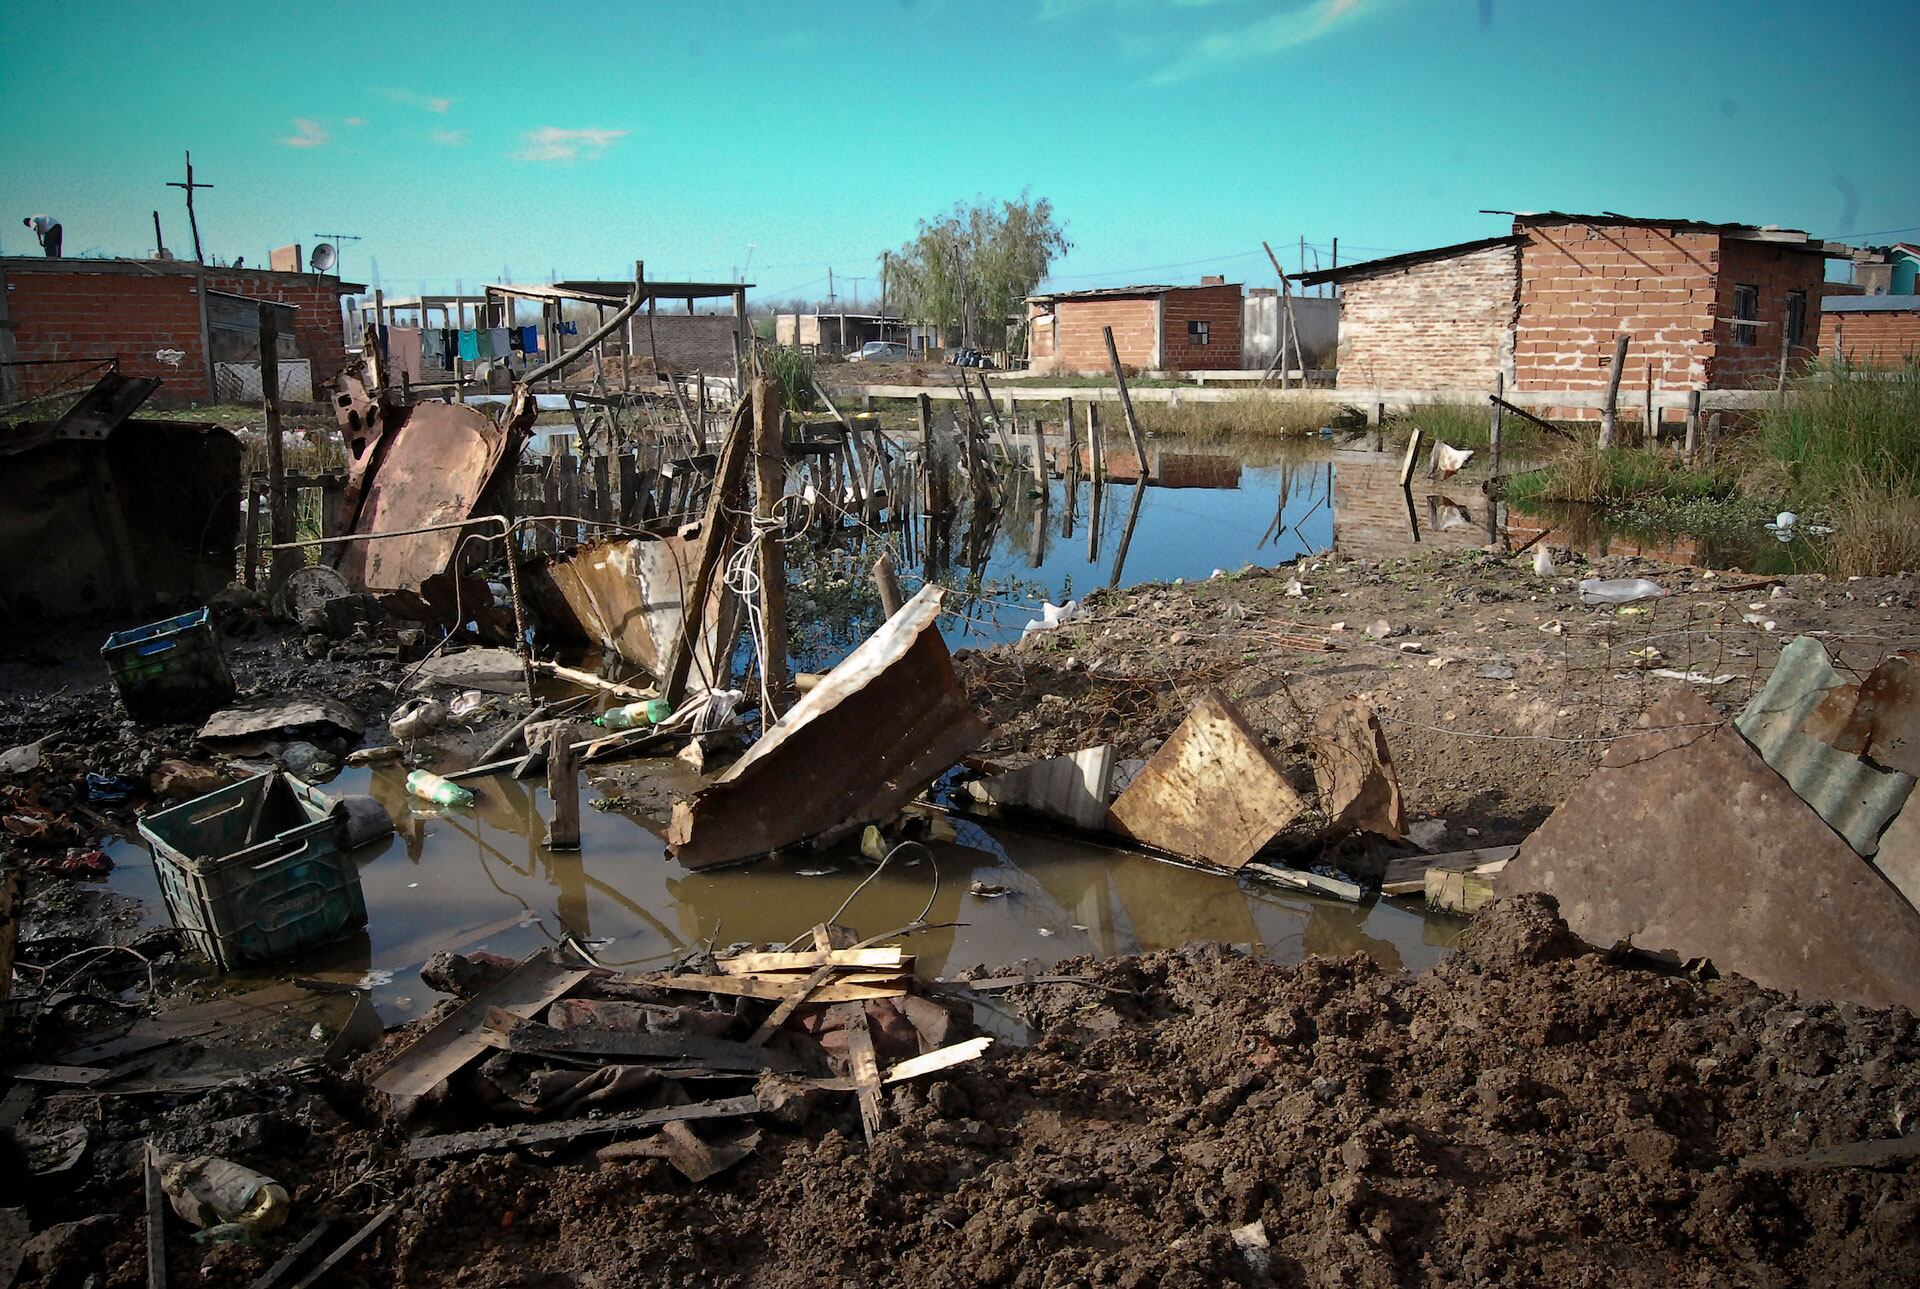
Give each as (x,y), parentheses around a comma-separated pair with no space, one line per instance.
(879,351)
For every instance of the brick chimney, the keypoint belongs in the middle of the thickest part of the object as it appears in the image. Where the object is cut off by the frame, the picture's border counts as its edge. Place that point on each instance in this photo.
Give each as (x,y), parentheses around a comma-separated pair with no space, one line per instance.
(1212,279)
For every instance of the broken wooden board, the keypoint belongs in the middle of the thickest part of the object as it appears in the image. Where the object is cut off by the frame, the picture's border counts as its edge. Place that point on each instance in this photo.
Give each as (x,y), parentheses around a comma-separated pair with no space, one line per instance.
(747,964)
(856,987)
(863,1067)
(1461,887)
(1072,789)
(1685,840)
(1408,875)
(942,1058)
(575,1131)
(518,1035)
(446,1048)
(1300,879)
(856,747)
(1210,793)
(348,1247)
(1359,791)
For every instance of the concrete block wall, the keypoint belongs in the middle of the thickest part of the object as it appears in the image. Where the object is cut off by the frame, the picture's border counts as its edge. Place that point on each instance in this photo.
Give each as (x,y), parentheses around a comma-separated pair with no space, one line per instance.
(1219,307)
(688,343)
(105,309)
(1886,339)
(1441,324)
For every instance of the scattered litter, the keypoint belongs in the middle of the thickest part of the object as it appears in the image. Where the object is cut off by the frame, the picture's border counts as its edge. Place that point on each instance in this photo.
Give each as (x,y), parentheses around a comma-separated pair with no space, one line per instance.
(1542,562)
(1692,677)
(1445,460)
(429,786)
(1296,589)
(209,1191)
(1553,626)
(1495,671)
(1051,616)
(1072,789)
(1042,931)
(1620,590)
(986,890)
(815,872)
(417,718)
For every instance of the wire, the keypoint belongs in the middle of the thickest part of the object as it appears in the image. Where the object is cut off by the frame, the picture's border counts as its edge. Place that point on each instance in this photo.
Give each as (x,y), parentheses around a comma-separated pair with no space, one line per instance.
(834,916)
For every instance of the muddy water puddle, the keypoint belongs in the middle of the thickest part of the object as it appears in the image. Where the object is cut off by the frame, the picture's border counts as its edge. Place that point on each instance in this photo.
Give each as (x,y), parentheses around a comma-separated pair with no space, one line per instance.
(480,878)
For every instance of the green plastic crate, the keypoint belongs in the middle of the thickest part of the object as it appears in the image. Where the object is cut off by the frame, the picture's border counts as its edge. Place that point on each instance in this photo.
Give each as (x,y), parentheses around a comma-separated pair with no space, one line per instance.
(169,671)
(256,872)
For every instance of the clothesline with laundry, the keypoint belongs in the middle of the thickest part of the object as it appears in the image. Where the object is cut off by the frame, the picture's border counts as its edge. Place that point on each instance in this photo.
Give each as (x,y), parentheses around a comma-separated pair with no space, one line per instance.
(414,349)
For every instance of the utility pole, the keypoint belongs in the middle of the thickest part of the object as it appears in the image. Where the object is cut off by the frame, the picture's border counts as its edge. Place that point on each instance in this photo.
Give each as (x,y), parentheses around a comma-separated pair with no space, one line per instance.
(856,291)
(829,286)
(159,244)
(192,222)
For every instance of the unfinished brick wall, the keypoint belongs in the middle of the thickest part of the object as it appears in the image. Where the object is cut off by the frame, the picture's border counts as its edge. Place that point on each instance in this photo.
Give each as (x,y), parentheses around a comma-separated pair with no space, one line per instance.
(1217,306)
(1040,338)
(1581,285)
(1775,270)
(1878,339)
(697,343)
(1083,345)
(106,309)
(319,325)
(1442,324)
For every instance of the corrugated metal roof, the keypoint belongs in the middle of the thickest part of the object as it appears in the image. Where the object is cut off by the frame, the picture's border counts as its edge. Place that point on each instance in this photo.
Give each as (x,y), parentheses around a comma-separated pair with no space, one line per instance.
(1406,260)
(1093,293)
(1854,797)
(1870,303)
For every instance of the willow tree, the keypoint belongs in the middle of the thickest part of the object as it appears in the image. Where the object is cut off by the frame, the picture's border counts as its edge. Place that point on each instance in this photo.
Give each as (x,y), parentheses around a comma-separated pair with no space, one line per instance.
(966,272)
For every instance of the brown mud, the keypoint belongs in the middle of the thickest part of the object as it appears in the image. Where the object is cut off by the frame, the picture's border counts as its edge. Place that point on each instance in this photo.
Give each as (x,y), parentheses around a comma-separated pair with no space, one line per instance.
(1529,1111)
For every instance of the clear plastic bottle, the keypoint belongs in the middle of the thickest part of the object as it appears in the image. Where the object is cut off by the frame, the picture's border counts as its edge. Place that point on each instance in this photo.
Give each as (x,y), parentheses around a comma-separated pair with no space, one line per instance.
(633,715)
(442,792)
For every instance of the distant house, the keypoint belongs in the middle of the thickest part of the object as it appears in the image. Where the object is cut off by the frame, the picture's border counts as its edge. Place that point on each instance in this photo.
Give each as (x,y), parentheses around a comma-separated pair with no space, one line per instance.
(1704,306)
(841,333)
(1155,328)
(1871,330)
(1887,270)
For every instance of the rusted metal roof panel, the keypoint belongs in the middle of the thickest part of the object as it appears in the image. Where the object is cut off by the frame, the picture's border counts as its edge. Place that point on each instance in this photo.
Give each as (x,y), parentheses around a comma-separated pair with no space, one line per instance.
(629,595)
(1854,796)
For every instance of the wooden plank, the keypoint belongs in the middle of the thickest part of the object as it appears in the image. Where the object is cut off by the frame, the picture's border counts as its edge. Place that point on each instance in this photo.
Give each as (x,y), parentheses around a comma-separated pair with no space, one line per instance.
(563,787)
(573,1131)
(1313,883)
(446,1048)
(1462,890)
(790,1001)
(852,988)
(349,1248)
(770,483)
(280,1270)
(1413,451)
(941,1058)
(716,535)
(864,1067)
(753,963)
(1408,874)
(516,1035)
(1126,406)
(156,1218)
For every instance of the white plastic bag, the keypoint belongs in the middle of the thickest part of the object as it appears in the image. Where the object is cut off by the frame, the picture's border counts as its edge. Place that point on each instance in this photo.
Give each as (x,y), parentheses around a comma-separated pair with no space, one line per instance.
(1618,590)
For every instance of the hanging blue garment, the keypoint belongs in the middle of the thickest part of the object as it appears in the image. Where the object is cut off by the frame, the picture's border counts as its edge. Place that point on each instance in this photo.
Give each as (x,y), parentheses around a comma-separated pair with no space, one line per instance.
(530,339)
(469,344)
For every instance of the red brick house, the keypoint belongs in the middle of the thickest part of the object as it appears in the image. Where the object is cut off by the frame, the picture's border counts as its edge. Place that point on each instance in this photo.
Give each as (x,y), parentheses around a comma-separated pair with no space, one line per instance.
(1155,328)
(1871,330)
(1704,304)
(153,316)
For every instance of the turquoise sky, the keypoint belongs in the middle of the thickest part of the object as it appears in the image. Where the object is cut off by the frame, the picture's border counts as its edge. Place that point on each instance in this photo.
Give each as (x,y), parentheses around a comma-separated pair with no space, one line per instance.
(464,141)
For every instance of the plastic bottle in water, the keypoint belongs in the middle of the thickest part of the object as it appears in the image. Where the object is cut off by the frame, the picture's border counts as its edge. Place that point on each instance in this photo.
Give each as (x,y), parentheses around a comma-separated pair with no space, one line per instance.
(442,792)
(633,715)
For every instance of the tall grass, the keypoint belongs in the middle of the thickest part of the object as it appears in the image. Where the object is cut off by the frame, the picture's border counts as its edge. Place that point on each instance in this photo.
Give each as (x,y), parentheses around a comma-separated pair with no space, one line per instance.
(1250,415)
(792,370)
(1616,476)
(1467,425)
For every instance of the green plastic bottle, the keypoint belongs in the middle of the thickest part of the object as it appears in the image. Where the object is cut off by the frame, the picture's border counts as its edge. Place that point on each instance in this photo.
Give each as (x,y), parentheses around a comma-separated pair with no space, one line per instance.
(442,792)
(650,712)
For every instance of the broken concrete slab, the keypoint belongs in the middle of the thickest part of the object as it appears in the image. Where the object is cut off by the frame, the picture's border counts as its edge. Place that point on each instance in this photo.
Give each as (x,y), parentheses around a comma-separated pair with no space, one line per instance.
(294,714)
(1855,797)
(1685,840)
(497,671)
(1359,790)
(1210,793)
(1072,789)
(1898,858)
(855,748)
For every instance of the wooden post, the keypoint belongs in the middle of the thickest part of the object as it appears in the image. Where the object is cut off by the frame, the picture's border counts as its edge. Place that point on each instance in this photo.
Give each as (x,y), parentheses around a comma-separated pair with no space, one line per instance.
(1693,424)
(1713,437)
(770,482)
(1493,435)
(281,507)
(856,456)
(563,787)
(1650,419)
(1126,407)
(157,1206)
(1041,475)
(1096,450)
(1607,413)
(888,584)
(1786,349)
(714,534)
(1406,462)
(1073,436)
(993,419)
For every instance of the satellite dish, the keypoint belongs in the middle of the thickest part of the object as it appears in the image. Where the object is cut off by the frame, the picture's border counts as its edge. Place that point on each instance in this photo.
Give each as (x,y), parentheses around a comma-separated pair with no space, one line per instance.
(324,257)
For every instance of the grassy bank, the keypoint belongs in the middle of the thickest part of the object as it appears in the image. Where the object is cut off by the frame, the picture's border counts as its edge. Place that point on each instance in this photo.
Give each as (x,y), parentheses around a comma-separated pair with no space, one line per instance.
(1843,451)
(1467,425)
(1251,416)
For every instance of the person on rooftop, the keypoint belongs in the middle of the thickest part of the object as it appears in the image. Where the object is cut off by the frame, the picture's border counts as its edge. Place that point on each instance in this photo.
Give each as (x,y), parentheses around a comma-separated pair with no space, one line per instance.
(47,229)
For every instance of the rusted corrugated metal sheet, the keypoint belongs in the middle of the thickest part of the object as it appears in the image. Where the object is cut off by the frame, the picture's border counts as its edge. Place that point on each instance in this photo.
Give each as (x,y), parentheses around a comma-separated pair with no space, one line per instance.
(1879,718)
(858,746)
(1684,841)
(413,466)
(628,595)
(1854,796)
(123,520)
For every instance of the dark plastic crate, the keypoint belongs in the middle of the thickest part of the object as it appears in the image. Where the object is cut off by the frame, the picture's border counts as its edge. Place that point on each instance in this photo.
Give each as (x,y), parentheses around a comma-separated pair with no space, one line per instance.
(169,671)
(255,872)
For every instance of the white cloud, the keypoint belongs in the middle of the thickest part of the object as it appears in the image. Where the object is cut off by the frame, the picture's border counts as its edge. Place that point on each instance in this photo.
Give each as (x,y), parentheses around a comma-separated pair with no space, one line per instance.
(1269,35)
(450,138)
(551,143)
(308,133)
(355,121)
(426,102)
